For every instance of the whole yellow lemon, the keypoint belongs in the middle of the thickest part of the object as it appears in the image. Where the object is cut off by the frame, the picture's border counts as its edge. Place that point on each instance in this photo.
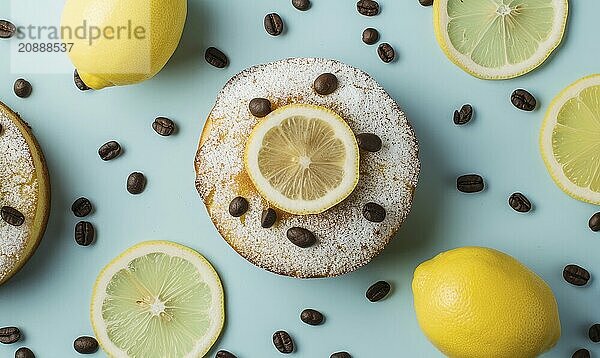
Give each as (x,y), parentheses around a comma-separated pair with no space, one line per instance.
(121,42)
(475,302)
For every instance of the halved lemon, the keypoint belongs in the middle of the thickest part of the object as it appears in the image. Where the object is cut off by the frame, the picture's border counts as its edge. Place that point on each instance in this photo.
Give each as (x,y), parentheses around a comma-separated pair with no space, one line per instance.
(499,39)
(156,300)
(570,139)
(302,158)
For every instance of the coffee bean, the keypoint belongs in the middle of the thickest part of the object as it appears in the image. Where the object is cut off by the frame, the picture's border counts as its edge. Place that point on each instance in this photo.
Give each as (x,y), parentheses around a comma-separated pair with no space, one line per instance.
(136,183)
(84,233)
(22,88)
(9,335)
(216,57)
(312,317)
(12,216)
(367,7)
(576,275)
(386,52)
(374,212)
(378,291)
(426,2)
(7,29)
(594,333)
(523,100)
(470,183)
(283,342)
(594,222)
(109,150)
(370,36)
(464,115)
(24,352)
(325,84)
(86,345)
(225,354)
(81,207)
(238,206)
(341,355)
(259,107)
(301,237)
(163,126)
(268,218)
(79,82)
(519,202)
(301,5)
(273,24)
(581,353)
(369,142)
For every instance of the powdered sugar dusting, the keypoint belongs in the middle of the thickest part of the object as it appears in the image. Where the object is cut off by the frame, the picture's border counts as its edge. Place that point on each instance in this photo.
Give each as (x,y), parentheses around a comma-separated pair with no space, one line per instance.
(346,240)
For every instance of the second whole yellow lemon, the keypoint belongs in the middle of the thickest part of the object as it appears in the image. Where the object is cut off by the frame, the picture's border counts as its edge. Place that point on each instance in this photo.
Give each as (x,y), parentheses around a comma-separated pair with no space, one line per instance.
(475,302)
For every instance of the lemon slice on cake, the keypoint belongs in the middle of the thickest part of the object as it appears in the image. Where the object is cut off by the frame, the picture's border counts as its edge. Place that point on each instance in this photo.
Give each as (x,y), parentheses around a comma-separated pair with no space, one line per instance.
(303,159)
(570,139)
(499,39)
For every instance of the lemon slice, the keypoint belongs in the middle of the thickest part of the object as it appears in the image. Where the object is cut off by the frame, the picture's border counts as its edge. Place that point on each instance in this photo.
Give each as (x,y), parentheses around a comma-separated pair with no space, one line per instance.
(158,299)
(570,139)
(499,39)
(302,158)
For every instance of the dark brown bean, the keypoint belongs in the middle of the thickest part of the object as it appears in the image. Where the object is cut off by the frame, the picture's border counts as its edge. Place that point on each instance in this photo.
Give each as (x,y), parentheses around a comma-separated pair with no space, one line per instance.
(301,5)
(464,115)
(22,88)
(283,342)
(216,57)
(311,317)
(368,7)
(594,222)
(576,275)
(163,126)
(259,107)
(386,52)
(225,354)
(374,212)
(273,24)
(0,128)
(594,333)
(268,218)
(136,183)
(470,183)
(109,150)
(7,29)
(238,206)
(325,84)
(79,82)
(24,352)
(9,335)
(81,207)
(523,100)
(301,237)
(86,345)
(370,36)
(369,142)
(12,216)
(581,353)
(519,202)
(341,355)
(426,2)
(378,291)
(84,233)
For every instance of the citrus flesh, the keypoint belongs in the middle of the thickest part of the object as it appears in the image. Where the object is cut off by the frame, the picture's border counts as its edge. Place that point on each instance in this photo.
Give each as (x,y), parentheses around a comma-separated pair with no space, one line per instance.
(158,299)
(303,159)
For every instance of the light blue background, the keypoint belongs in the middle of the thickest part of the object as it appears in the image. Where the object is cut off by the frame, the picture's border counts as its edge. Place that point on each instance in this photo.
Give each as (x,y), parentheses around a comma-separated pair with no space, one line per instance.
(49,299)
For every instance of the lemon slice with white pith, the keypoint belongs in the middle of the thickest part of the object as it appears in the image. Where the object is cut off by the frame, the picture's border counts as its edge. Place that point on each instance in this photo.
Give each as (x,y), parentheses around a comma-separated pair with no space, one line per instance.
(303,159)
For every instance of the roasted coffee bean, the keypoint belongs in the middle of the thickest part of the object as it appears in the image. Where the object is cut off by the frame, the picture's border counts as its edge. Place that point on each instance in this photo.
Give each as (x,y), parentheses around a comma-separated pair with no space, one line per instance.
(470,183)
(369,142)
(367,7)
(301,237)
(12,216)
(464,115)
(84,233)
(378,291)
(594,333)
(238,206)
(341,355)
(259,107)
(225,354)
(325,84)
(312,317)
(163,126)
(216,57)
(268,218)
(7,29)
(273,24)
(576,275)
(374,212)
(519,203)
(283,342)
(136,183)
(9,335)
(86,345)
(386,52)
(370,36)
(523,100)
(426,2)
(109,150)
(301,5)
(24,352)
(81,207)
(79,82)
(22,88)
(594,222)
(581,353)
